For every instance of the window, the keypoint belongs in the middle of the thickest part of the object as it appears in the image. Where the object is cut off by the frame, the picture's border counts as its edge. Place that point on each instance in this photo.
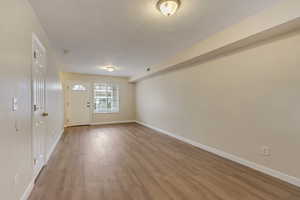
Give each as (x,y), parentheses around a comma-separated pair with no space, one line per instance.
(78,88)
(106,98)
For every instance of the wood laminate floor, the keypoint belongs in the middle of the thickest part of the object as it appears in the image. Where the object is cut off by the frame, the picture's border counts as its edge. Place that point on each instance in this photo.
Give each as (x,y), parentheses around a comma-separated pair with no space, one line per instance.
(132,162)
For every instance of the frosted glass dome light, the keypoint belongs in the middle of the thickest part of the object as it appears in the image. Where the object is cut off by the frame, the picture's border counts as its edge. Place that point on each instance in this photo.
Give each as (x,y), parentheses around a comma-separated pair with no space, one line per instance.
(168,7)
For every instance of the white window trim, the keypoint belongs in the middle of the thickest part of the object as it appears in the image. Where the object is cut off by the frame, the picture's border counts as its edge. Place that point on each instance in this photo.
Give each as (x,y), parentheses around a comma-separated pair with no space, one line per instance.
(93,98)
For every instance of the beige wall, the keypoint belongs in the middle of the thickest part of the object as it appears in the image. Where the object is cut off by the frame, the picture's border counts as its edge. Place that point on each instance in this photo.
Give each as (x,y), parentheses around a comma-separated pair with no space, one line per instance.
(17,22)
(127,94)
(236,103)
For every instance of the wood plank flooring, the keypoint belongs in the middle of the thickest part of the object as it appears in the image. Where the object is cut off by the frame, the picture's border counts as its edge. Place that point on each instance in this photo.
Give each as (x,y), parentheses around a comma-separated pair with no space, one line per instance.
(132,162)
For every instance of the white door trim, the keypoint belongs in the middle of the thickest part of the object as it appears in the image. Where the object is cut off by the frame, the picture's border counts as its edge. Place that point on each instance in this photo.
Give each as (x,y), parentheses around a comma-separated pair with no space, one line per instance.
(68,84)
(35,39)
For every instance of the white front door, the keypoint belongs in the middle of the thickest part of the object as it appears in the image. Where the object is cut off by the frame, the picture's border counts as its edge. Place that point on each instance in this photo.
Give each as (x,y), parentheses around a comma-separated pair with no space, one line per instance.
(78,103)
(38,104)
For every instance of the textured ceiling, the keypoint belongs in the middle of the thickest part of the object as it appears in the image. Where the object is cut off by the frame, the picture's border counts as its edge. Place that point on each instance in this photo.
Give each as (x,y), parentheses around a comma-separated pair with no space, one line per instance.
(132,34)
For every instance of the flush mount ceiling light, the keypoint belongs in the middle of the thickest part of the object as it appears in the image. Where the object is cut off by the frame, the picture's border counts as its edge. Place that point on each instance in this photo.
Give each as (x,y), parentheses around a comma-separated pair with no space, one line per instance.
(109,68)
(168,7)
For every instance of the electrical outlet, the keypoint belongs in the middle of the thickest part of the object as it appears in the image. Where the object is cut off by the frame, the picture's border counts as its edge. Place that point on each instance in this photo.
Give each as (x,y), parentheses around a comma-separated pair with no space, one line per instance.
(265,151)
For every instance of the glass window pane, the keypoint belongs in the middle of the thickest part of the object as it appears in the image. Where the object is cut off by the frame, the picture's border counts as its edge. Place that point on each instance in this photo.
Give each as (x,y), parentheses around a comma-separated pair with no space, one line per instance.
(78,87)
(106,98)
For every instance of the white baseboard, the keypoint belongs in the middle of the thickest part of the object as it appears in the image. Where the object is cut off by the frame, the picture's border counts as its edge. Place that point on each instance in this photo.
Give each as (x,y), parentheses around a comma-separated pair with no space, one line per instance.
(28,190)
(30,187)
(53,146)
(113,122)
(253,165)
(104,123)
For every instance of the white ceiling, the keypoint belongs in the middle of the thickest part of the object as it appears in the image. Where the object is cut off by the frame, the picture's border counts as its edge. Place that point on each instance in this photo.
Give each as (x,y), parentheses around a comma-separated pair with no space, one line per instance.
(132,34)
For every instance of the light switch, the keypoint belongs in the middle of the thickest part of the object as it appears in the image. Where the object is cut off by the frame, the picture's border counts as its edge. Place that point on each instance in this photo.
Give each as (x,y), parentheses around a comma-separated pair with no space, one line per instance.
(15,104)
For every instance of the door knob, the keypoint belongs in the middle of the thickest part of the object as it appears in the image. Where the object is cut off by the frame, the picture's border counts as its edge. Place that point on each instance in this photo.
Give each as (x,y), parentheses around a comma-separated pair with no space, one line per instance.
(45,114)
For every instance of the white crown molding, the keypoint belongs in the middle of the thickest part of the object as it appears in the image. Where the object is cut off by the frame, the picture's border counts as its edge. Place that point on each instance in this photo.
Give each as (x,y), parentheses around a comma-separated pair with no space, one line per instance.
(280,19)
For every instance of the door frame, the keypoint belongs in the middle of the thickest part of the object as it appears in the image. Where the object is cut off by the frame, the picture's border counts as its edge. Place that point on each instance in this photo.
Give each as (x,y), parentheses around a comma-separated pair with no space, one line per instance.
(35,39)
(68,84)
